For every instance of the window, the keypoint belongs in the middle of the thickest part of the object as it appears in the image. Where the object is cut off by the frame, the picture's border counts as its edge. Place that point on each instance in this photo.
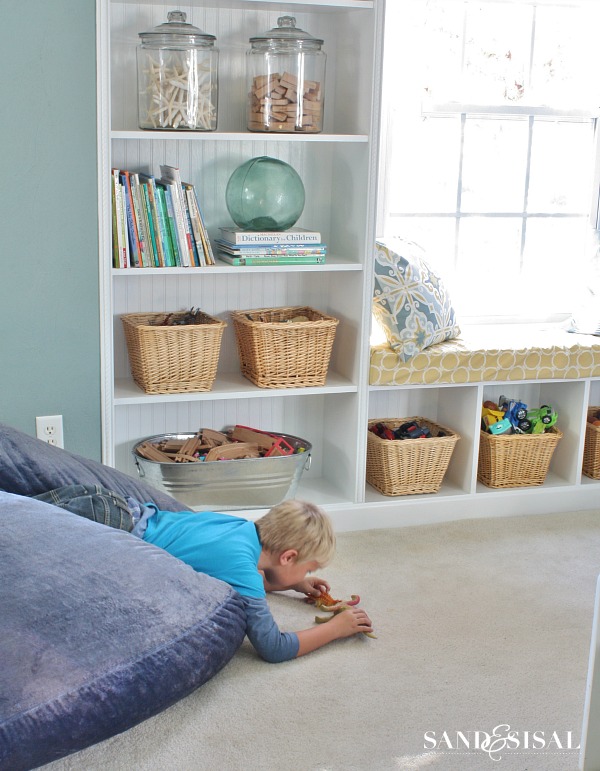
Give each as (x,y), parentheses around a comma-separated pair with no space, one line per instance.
(489,148)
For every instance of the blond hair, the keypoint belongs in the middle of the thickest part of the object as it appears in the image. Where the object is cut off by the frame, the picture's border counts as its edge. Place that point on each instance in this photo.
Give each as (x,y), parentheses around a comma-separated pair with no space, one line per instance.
(301,526)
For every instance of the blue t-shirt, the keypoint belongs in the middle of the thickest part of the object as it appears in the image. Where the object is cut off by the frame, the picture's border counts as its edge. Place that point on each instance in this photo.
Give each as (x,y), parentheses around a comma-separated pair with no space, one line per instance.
(219,545)
(227,548)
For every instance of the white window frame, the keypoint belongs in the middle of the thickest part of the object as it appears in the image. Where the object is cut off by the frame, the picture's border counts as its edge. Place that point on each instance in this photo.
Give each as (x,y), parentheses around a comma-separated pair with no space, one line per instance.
(434,109)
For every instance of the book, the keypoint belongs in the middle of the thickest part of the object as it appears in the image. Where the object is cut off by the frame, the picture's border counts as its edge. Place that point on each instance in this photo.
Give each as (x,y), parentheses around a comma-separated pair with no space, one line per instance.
(116,245)
(239,236)
(195,224)
(171,222)
(163,224)
(171,176)
(198,224)
(308,259)
(139,209)
(148,182)
(270,249)
(135,255)
(150,223)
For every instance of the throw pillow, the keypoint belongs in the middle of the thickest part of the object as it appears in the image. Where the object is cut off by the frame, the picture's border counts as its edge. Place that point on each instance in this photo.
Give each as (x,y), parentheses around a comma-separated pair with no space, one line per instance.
(410,300)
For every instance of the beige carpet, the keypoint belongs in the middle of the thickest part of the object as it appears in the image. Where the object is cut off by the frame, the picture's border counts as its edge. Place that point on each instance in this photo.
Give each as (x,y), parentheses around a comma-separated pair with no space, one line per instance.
(480,624)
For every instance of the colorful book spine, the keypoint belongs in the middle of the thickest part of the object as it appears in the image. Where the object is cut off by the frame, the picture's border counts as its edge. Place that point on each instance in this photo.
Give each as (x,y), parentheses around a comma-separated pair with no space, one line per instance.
(140,218)
(145,194)
(149,185)
(163,224)
(196,225)
(208,252)
(316,259)
(240,237)
(122,223)
(171,176)
(172,224)
(134,241)
(271,249)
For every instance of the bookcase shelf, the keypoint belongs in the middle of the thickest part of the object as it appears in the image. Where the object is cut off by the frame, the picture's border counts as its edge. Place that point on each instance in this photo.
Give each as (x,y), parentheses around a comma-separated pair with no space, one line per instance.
(339,171)
(235,136)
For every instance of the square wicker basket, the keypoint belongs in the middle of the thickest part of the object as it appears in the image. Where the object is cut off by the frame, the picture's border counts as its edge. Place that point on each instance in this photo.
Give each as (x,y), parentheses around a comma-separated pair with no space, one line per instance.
(516,460)
(409,466)
(591,452)
(172,359)
(277,352)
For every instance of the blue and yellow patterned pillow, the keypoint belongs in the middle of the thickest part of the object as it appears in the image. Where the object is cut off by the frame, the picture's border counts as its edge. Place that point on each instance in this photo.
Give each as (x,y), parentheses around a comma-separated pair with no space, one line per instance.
(409,299)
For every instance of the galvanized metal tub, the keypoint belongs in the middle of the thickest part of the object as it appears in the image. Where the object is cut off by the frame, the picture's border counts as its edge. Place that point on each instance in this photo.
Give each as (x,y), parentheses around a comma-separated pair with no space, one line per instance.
(250,483)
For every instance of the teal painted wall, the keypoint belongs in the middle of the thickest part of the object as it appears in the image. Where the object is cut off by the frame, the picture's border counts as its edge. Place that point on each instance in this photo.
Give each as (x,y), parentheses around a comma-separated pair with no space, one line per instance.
(49,312)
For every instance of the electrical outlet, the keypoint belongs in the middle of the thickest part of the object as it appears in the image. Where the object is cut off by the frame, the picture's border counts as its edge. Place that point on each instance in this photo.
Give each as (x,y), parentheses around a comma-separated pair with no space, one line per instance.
(49,428)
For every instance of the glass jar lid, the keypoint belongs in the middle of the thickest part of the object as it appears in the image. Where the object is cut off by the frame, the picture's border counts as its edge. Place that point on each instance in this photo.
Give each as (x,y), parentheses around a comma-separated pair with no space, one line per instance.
(177,30)
(287,31)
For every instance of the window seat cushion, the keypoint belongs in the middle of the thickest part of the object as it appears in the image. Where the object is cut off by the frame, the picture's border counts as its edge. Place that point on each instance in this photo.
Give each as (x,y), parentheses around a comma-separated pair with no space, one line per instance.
(492,352)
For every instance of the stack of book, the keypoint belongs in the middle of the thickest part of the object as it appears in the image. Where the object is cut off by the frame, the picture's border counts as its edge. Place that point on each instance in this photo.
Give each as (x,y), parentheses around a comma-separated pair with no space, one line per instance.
(295,246)
(157,223)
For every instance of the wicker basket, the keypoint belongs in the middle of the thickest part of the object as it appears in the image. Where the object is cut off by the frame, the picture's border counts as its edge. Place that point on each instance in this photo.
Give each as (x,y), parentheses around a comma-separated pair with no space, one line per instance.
(172,359)
(409,466)
(516,460)
(591,452)
(284,355)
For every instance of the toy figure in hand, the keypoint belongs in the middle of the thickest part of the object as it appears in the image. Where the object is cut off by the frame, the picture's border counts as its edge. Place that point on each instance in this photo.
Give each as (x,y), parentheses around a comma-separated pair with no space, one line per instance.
(326,602)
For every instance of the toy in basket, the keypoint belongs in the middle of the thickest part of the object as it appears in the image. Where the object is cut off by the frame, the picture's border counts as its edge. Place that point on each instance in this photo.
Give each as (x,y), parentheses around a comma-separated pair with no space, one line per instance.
(591,452)
(516,443)
(408,456)
(284,347)
(173,353)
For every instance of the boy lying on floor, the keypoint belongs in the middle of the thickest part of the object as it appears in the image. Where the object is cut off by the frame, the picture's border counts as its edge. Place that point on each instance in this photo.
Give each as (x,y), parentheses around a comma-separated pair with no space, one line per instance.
(275,553)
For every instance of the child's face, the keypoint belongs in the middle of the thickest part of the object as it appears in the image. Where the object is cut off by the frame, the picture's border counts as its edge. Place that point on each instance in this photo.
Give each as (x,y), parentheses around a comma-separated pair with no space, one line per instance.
(293,572)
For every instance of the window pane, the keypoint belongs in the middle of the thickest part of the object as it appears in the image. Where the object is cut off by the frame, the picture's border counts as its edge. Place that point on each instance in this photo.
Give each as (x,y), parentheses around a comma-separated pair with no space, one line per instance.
(497,46)
(554,262)
(564,56)
(495,155)
(488,257)
(425,157)
(436,235)
(561,167)
(443,47)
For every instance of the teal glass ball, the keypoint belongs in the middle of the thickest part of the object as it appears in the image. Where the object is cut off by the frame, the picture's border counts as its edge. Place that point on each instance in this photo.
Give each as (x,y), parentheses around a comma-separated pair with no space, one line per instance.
(265,194)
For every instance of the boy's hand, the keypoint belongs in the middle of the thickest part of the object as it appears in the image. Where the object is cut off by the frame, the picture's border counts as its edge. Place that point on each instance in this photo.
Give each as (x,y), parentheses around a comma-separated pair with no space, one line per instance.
(312,586)
(350,621)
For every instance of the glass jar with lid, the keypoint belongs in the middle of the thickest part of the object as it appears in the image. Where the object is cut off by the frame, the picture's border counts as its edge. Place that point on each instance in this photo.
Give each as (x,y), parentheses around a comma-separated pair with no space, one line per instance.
(286,80)
(177,67)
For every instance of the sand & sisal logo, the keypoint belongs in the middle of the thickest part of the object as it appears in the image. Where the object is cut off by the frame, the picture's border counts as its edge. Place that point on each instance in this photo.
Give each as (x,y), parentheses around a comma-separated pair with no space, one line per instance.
(500,742)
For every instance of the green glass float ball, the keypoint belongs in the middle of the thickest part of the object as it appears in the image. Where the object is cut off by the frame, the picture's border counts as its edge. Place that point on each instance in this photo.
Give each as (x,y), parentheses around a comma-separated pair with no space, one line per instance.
(265,194)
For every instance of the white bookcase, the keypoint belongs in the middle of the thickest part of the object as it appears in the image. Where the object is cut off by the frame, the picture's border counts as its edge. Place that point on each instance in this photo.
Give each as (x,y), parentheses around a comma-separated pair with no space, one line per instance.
(339,171)
(338,168)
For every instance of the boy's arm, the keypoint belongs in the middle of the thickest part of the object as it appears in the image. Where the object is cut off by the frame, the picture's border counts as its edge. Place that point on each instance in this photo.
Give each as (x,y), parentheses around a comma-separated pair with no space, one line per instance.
(270,643)
(349,622)
(274,646)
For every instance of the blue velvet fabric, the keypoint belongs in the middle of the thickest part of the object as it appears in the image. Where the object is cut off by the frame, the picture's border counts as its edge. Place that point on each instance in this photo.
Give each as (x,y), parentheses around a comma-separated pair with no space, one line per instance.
(99,631)
(30,467)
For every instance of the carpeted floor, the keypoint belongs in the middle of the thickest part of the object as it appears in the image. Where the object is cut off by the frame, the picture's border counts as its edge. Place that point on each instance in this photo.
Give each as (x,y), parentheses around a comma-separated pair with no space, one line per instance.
(481,623)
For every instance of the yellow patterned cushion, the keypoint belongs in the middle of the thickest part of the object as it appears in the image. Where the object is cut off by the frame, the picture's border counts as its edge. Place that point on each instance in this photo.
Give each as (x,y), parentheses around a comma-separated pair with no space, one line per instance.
(487,353)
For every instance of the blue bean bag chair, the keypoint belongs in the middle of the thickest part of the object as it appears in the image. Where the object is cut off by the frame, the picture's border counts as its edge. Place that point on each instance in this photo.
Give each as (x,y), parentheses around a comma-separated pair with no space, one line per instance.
(99,630)
(30,467)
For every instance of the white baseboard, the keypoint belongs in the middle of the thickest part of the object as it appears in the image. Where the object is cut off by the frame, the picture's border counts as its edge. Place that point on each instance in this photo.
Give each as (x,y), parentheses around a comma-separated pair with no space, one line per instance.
(426,510)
